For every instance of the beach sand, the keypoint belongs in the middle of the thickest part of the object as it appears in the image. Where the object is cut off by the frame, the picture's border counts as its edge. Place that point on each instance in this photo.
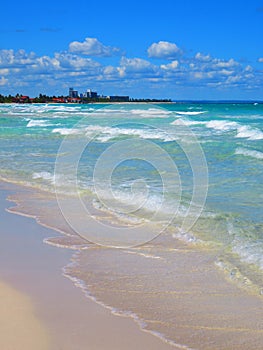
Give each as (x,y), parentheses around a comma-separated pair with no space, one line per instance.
(42,309)
(19,327)
(193,301)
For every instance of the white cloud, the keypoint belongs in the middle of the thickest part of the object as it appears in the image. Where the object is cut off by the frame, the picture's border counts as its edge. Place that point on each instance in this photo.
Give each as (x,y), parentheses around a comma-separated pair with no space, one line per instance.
(46,63)
(6,57)
(203,58)
(3,81)
(92,47)
(234,79)
(164,49)
(18,58)
(225,64)
(248,69)
(122,71)
(58,71)
(206,68)
(69,61)
(198,75)
(206,71)
(260,60)
(226,72)
(109,70)
(208,63)
(170,66)
(4,71)
(135,66)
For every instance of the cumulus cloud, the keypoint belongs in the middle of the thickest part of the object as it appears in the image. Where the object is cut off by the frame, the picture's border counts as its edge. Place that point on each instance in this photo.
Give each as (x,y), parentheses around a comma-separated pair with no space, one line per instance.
(164,49)
(135,66)
(21,69)
(92,47)
(170,66)
(62,69)
(16,58)
(202,58)
(225,64)
(260,60)
(67,60)
(109,70)
(203,70)
(3,81)
(4,71)
(206,67)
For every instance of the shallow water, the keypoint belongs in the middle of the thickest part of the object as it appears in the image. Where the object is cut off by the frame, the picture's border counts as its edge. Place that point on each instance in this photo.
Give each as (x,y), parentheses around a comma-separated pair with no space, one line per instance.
(182,181)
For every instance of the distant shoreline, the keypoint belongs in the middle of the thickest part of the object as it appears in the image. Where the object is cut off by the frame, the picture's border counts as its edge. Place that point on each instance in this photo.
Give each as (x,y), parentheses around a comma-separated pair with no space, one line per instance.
(145,102)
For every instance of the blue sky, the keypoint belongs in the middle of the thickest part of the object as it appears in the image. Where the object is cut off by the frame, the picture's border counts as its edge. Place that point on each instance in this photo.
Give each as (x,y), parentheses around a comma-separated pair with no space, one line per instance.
(171,49)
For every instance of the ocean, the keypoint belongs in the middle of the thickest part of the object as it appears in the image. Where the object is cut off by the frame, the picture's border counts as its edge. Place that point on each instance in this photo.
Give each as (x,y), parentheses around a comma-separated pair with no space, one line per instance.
(131,184)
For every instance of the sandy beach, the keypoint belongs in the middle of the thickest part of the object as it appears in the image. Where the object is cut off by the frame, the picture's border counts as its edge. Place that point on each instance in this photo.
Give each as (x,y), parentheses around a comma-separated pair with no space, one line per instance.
(41,309)
(20,329)
(203,308)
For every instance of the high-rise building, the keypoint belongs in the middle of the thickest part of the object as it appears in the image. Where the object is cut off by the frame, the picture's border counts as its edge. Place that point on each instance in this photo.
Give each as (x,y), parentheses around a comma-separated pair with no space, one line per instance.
(72,93)
(90,94)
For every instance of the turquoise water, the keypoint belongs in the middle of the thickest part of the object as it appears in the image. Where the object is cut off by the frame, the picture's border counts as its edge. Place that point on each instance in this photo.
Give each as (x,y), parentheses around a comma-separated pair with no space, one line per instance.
(223,141)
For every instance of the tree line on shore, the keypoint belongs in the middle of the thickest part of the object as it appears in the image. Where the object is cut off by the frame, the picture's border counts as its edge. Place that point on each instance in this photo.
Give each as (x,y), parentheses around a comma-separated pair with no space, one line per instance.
(19,98)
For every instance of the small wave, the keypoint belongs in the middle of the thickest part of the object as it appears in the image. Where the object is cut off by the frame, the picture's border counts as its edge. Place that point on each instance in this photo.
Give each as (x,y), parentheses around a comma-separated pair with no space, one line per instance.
(69,114)
(151,112)
(145,255)
(249,252)
(247,243)
(63,108)
(249,133)
(190,113)
(50,182)
(105,134)
(186,237)
(187,122)
(136,112)
(66,131)
(249,153)
(234,274)
(243,131)
(45,175)
(222,125)
(38,122)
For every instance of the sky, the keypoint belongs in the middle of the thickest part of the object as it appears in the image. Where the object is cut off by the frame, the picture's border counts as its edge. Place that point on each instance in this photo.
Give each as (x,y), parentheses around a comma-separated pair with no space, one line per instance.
(183,50)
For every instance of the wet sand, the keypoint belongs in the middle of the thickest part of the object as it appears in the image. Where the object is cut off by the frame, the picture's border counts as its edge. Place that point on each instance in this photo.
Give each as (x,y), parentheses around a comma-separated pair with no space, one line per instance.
(55,314)
(183,295)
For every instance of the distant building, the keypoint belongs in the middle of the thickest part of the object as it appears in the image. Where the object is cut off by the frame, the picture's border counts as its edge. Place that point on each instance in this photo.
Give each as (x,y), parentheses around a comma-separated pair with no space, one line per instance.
(58,100)
(119,98)
(73,93)
(22,99)
(90,94)
(73,100)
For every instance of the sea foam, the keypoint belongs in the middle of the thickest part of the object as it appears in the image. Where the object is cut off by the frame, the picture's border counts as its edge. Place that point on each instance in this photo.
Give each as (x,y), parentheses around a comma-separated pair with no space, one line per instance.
(38,122)
(190,113)
(249,153)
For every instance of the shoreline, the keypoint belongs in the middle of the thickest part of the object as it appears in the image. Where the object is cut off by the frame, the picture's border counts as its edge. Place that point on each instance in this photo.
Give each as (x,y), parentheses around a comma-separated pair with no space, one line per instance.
(70,318)
(200,294)
(144,102)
